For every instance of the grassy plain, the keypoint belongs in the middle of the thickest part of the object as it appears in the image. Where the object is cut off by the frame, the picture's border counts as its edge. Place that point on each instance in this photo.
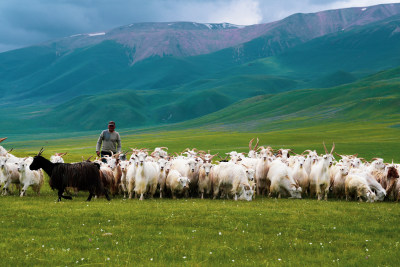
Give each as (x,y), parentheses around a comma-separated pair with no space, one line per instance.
(39,231)
(367,139)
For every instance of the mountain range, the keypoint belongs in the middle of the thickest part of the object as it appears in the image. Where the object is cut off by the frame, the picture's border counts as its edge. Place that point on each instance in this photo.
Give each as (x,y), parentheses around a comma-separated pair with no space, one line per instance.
(186,74)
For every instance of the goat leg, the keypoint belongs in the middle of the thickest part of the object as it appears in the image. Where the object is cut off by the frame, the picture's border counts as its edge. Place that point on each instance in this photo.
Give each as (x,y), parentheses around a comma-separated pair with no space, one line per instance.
(90,196)
(107,196)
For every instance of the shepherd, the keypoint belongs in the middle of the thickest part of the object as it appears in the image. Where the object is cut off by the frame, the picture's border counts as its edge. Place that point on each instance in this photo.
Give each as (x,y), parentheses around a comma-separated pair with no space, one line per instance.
(111,142)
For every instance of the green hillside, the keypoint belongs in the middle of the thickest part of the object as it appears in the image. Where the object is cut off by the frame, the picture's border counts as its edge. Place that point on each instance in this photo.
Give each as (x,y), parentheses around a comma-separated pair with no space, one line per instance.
(82,88)
(375,99)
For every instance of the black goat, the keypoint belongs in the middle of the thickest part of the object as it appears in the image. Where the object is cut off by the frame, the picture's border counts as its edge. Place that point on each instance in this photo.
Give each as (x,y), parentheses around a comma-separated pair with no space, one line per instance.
(83,176)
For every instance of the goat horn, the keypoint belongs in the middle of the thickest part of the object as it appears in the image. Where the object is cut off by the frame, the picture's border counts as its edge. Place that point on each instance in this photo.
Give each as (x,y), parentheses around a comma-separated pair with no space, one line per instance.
(374,159)
(63,154)
(10,150)
(163,147)
(338,155)
(326,150)
(40,152)
(176,154)
(250,144)
(333,148)
(261,147)
(255,148)
(2,139)
(214,155)
(89,158)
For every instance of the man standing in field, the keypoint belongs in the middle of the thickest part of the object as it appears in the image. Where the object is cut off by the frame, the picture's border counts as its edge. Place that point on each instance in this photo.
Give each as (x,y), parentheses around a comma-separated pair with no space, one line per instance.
(110,139)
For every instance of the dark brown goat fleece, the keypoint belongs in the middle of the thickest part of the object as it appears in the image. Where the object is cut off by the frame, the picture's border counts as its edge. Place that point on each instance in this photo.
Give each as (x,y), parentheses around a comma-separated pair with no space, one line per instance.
(83,176)
(392,177)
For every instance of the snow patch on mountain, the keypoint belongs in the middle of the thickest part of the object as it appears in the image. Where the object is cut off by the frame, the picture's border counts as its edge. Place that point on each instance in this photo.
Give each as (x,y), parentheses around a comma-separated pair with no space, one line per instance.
(97,34)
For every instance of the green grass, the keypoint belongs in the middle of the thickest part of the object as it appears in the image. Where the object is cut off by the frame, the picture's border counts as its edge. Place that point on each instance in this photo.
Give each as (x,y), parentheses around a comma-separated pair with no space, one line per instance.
(367,139)
(39,231)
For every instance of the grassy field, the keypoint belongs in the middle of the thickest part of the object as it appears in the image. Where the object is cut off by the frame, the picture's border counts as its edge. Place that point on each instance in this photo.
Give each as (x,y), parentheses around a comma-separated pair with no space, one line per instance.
(367,139)
(40,231)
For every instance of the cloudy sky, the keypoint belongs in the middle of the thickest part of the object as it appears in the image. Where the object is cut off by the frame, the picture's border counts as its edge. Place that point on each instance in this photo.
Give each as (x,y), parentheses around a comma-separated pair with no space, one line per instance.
(27,22)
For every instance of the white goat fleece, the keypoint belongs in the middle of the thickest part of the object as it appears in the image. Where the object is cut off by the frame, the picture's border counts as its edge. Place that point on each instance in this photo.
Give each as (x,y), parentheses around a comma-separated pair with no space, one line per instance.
(338,181)
(261,169)
(163,175)
(356,185)
(56,159)
(231,178)
(146,178)
(311,159)
(177,183)
(130,178)
(282,182)
(124,165)
(35,179)
(187,167)
(205,179)
(10,174)
(320,177)
(376,187)
(377,170)
(300,175)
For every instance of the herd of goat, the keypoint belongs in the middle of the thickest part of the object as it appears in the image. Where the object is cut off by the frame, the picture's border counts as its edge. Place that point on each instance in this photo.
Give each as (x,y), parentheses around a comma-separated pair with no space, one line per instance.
(262,172)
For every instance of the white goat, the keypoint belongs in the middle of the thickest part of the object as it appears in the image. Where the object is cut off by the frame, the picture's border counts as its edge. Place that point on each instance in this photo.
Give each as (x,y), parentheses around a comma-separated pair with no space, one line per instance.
(177,184)
(262,168)
(146,177)
(205,179)
(338,182)
(320,175)
(29,177)
(58,157)
(357,186)
(231,178)
(10,173)
(282,182)
(300,175)
(162,176)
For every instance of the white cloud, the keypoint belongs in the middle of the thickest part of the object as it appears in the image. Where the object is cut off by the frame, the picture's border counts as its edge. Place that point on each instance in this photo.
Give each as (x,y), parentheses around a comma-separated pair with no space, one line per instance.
(241,12)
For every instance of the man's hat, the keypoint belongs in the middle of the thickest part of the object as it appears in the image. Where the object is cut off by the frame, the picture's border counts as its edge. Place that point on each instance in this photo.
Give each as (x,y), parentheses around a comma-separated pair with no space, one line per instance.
(111,123)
